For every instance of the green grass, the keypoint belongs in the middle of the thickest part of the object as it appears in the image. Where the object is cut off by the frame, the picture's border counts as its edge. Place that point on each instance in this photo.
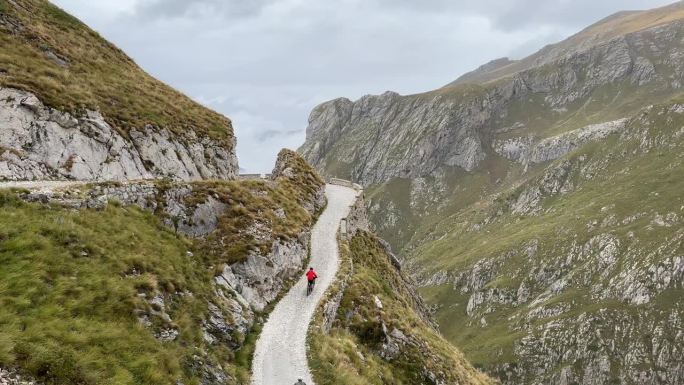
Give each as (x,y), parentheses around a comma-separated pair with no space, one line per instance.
(69,296)
(349,354)
(98,75)
(249,203)
(471,220)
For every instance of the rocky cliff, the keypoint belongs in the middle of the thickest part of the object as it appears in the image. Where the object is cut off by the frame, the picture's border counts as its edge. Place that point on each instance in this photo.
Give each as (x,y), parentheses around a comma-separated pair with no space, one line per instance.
(565,276)
(73,106)
(536,201)
(39,142)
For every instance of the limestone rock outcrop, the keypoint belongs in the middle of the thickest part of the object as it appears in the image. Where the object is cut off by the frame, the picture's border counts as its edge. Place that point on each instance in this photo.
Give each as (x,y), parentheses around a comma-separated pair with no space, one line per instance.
(38,142)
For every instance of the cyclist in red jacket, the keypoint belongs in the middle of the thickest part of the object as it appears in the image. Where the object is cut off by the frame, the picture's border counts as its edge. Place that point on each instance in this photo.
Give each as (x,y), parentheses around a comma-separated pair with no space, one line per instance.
(311,278)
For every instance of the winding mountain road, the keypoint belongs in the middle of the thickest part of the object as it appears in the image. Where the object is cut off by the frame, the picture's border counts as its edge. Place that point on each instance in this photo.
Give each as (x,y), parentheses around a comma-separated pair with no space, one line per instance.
(280,355)
(41,185)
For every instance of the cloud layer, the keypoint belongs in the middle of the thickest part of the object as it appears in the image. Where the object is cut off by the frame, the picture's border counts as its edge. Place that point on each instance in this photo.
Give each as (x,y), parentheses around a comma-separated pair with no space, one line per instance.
(267,63)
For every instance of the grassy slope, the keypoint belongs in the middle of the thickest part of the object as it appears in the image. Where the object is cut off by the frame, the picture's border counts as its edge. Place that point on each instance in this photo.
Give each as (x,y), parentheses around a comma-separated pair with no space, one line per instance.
(97,75)
(349,354)
(68,317)
(463,189)
(440,236)
(70,282)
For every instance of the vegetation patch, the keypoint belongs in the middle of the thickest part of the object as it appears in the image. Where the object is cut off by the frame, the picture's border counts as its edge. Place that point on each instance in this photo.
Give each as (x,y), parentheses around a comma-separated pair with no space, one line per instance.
(95,296)
(259,212)
(623,189)
(72,283)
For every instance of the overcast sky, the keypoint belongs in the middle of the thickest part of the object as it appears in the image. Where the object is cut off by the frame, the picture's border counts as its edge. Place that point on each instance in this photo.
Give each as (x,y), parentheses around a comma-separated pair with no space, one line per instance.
(267,63)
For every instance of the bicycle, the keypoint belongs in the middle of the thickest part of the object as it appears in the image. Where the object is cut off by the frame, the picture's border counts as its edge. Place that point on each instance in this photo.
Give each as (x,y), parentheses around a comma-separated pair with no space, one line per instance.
(310,286)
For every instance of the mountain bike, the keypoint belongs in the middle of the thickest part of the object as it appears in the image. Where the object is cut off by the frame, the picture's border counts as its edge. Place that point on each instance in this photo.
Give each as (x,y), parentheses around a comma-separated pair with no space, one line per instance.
(310,286)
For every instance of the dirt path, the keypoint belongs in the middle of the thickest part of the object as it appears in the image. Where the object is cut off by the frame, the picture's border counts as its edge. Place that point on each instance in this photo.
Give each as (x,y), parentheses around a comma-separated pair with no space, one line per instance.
(41,185)
(280,356)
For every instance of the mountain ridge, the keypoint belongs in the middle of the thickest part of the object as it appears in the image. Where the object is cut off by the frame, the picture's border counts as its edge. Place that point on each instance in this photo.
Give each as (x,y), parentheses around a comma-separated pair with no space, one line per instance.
(614,26)
(564,90)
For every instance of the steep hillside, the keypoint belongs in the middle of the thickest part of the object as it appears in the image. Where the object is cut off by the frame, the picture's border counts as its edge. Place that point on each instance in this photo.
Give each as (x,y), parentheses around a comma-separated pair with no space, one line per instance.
(148,282)
(577,272)
(374,328)
(74,106)
(537,202)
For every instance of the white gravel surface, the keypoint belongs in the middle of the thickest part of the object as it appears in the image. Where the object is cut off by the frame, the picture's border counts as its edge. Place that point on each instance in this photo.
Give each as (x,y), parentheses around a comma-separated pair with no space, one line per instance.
(40,185)
(8,377)
(280,355)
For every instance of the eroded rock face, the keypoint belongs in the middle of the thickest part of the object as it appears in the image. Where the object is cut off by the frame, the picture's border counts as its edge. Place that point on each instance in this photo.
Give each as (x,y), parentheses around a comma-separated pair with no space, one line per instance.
(526,150)
(596,302)
(260,278)
(380,137)
(39,142)
(357,220)
(9,377)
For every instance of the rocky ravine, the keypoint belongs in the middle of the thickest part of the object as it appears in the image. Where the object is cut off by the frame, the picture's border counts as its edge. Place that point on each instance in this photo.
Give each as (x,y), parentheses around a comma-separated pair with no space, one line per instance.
(587,295)
(38,142)
(539,210)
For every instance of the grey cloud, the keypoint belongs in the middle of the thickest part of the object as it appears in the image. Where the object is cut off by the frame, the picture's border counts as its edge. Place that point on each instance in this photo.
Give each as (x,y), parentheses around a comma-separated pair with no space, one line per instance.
(272,134)
(566,12)
(509,15)
(192,8)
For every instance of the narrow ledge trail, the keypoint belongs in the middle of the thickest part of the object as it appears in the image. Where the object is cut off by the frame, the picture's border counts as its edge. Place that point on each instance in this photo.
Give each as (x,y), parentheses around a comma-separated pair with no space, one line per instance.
(41,185)
(280,354)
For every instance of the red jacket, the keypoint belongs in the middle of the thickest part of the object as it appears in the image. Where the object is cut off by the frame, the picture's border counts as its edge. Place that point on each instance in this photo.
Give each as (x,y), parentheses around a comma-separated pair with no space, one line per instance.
(311,275)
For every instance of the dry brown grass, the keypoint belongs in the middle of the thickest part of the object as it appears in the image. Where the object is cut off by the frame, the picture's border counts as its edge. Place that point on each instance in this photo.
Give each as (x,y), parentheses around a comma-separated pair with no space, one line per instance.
(629,22)
(620,24)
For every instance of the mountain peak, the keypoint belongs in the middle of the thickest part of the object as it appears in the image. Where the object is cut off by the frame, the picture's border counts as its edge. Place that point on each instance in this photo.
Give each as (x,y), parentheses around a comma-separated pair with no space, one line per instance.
(618,24)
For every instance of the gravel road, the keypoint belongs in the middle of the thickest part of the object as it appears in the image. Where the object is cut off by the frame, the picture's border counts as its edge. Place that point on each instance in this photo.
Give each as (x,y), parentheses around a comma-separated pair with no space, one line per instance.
(280,355)
(40,185)
(10,378)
